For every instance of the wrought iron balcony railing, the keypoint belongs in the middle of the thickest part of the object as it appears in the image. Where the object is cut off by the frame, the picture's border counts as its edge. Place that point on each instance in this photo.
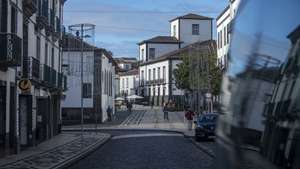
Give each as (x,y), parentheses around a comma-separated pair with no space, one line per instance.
(10,50)
(43,13)
(30,7)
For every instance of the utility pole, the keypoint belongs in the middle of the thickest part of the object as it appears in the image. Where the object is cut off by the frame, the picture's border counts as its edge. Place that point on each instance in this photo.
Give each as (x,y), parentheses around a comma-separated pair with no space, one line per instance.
(81,74)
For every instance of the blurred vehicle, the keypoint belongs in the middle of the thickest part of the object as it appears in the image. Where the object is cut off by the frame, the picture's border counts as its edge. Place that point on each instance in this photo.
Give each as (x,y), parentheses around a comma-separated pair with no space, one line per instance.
(205,126)
(259,123)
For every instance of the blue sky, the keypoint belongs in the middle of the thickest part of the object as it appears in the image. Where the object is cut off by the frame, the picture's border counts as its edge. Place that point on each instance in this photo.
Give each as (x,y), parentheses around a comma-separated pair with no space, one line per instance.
(120,24)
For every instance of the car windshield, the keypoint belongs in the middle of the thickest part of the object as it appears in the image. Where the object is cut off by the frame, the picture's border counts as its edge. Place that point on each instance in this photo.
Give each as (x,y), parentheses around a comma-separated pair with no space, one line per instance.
(207,119)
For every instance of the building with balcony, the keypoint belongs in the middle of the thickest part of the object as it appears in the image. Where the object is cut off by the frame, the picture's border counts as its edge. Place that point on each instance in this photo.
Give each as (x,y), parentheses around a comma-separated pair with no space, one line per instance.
(98,87)
(160,55)
(129,82)
(30,50)
(224,29)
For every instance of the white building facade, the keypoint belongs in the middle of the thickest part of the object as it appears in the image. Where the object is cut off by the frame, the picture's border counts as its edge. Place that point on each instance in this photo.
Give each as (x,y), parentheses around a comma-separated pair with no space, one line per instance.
(224,28)
(32,30)
(98,82)
(158,57)
(129,82)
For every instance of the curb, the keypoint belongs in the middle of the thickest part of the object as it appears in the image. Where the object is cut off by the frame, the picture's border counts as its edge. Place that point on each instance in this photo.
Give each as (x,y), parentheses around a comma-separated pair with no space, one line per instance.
(132,129)
(82,155)
(202,148)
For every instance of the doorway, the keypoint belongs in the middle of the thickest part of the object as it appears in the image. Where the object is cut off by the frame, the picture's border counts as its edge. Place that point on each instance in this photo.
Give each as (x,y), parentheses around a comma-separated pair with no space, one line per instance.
(2,119)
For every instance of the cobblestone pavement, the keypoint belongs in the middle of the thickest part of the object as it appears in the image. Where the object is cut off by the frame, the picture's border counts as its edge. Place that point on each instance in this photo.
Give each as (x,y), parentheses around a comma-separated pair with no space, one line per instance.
(59,155)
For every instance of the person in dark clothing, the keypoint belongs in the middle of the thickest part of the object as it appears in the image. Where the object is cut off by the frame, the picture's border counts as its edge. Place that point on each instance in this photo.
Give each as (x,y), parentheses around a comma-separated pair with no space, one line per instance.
(129,106)
(165,110)
(109,113)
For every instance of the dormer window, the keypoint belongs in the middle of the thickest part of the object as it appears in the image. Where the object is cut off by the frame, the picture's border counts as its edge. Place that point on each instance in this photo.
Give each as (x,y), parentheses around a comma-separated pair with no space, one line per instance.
(195,29)
(152,53)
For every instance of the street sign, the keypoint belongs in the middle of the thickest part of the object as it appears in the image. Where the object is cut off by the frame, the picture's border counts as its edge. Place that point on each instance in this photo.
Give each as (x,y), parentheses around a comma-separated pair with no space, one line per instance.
(25,85)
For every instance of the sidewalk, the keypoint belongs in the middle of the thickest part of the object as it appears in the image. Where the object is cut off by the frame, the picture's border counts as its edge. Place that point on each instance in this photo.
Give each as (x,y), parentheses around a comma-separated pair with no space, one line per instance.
(145,118)
(56,153)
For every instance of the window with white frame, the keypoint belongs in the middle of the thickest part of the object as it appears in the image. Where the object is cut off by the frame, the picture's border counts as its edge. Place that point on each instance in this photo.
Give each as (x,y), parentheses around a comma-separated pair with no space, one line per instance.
(195,29)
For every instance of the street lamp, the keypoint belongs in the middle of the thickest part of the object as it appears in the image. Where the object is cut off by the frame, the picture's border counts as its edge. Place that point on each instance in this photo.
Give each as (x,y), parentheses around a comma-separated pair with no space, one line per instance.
(79,30)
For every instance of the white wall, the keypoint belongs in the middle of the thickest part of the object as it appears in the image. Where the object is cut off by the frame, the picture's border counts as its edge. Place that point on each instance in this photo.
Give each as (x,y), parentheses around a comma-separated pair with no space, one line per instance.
(132,84)
(161,64)
(142,49)
(161,49)
(107,99)
(205,31)
(73,94)
(172,24)
(223,25)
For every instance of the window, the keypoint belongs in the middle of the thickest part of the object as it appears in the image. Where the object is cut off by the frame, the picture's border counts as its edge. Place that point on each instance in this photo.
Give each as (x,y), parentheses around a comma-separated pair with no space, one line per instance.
(142,77)
(195,29)
(227,33)
(218,43)
(52,58)
(87,90)
(158,73)
(3,16)
(152,53)
(142,55)
(149,74)
(46,54)
(123,83)
(164,73)
(126,82)
(174,30)
(221,34)
(38,48)
(154,74)
(14,19)
(225,41)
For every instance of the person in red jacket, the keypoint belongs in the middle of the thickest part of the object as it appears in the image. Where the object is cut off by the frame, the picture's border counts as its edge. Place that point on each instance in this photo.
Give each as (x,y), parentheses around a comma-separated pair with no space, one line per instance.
(189,115)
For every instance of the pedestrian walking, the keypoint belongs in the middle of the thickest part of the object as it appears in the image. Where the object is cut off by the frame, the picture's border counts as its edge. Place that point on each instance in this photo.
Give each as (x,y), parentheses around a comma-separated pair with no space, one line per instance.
(165,110)
(109,113)
(152,104)
(189,116)
(129,106)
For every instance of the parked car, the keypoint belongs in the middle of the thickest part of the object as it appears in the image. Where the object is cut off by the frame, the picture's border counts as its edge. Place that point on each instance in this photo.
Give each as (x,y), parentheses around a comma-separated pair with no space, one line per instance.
(205,126)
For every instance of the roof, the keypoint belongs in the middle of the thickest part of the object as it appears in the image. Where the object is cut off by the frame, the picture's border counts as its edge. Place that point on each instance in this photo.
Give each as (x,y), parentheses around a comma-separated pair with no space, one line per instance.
(192,16)
(73,43)
(130,72)
(161,39)
(125,60)
(221,14)
(203,46)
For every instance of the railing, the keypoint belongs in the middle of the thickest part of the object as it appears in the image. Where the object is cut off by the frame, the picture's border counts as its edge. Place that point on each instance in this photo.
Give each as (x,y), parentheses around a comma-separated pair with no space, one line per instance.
(35,68)
(48,76)
(10,49)
(30,7)
(43,13)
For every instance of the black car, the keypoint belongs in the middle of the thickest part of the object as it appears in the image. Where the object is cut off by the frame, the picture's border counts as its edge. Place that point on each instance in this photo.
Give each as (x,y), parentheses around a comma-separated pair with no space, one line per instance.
(205,126)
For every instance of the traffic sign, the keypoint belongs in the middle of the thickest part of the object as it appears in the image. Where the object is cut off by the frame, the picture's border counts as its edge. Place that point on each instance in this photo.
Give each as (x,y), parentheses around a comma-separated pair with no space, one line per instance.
(25,85)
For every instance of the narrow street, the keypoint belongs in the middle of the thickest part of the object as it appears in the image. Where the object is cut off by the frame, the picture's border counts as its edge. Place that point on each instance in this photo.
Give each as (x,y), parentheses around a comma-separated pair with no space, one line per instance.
(136,151)
(143,139)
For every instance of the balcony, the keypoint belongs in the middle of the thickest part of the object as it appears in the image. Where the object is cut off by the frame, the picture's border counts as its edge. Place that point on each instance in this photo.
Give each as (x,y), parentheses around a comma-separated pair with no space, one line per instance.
(43,14)
(57,31)
(62,81)
(10,50)
(29,7)
(31,68)
(48,76)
